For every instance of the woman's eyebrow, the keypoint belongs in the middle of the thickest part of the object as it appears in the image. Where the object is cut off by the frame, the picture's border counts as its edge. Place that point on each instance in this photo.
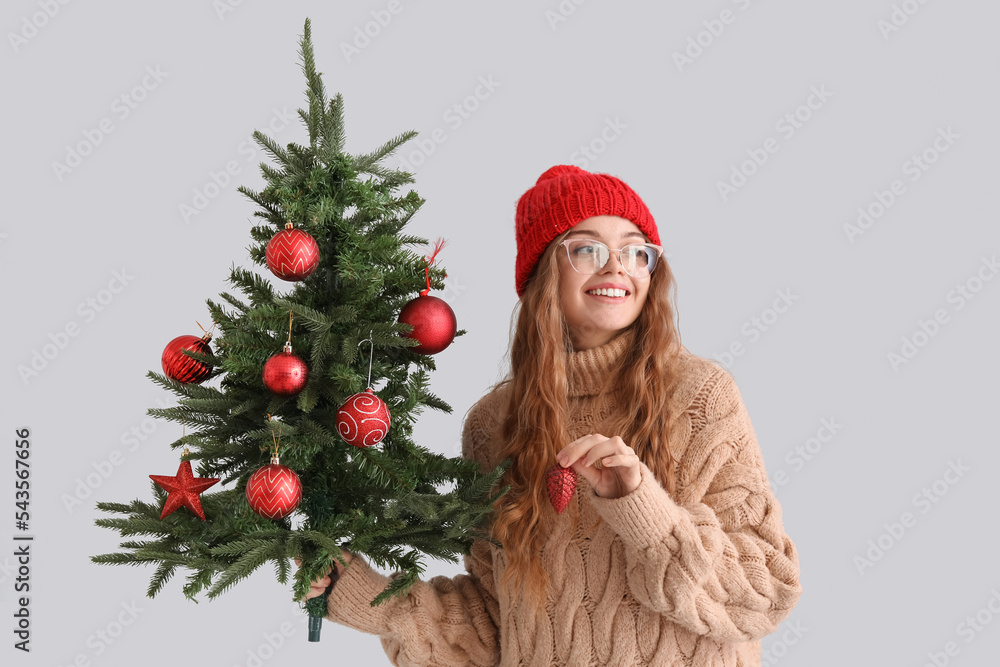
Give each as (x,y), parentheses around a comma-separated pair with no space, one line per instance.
(596,235)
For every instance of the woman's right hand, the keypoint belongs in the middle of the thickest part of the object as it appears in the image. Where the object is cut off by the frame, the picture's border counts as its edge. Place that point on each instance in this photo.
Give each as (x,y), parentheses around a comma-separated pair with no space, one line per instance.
(319,586)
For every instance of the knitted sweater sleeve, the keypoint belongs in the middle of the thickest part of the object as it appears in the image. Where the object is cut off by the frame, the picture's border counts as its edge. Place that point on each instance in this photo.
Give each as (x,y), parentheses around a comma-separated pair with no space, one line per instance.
(723,566)
(441,622)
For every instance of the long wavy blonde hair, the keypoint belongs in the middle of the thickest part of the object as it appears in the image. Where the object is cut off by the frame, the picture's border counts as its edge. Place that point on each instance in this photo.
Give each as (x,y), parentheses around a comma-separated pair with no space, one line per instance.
(535,428)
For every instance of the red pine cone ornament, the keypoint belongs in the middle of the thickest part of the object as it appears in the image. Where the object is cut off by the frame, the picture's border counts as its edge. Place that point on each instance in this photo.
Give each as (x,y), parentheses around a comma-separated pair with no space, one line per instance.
(285,374)
(292,254)
(182,368)
(364,419)
(561,484)
(274,491)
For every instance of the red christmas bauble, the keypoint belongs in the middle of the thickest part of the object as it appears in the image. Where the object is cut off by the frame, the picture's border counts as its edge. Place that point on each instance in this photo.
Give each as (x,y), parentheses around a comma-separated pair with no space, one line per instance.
(560,483)
(285,374)
(179,366)
(433,321)
(274,491)
(292,254)
(363,420)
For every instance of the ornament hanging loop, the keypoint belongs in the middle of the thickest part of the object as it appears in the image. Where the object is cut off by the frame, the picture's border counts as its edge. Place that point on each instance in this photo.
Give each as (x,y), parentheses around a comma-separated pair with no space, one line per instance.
(371,356)
(288,343)
(274,453)
(438,246)
(206,335)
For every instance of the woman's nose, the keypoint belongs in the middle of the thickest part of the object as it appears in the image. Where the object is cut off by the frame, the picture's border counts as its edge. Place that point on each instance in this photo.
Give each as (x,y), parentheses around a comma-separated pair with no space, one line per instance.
(613,255)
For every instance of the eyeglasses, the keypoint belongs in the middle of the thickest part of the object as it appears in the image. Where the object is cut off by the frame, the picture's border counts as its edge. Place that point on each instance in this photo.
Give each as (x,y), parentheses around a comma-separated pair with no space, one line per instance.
(588,256)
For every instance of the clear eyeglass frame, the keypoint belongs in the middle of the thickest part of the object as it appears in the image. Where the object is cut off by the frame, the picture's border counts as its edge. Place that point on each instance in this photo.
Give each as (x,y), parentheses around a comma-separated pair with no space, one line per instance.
(626,261)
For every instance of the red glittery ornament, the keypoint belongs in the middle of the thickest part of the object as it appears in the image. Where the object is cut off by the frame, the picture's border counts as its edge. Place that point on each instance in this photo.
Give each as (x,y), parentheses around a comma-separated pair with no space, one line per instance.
(292,254)
(363,420)
(183,489)
(434,323)
(285,374)
(179,366)
(561,483)
(274,491)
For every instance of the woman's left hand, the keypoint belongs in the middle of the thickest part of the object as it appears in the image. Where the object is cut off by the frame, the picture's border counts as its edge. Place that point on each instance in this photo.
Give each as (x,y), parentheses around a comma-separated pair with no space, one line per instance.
(610,465)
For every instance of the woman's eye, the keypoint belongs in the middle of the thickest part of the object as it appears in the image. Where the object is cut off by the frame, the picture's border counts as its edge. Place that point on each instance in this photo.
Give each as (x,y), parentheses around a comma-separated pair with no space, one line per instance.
(640,255)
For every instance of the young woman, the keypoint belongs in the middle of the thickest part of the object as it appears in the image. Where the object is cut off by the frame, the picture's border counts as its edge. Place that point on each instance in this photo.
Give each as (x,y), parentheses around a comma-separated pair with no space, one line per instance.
(672,550)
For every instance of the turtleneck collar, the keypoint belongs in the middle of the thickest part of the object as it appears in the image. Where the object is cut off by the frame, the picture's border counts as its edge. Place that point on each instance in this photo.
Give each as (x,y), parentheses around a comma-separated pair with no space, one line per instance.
(586,370)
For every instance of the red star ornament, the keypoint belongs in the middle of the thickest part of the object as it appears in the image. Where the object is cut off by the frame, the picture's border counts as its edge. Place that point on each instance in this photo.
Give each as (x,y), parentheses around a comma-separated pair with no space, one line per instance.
(183,489)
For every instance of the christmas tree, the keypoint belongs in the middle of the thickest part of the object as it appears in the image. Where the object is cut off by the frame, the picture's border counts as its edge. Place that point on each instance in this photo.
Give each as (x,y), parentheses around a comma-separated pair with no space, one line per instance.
(291,365)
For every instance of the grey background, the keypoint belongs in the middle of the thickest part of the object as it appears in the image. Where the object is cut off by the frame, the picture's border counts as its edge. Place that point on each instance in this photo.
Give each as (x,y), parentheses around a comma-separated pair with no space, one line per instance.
(556,87)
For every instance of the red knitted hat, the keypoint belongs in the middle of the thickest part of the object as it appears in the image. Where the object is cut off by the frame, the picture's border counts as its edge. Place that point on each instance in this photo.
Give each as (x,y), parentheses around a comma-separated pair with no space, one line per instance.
(562,197)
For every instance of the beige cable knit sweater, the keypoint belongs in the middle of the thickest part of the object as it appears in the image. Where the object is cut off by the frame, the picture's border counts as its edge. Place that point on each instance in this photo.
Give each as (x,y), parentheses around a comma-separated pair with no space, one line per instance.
(692,581)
